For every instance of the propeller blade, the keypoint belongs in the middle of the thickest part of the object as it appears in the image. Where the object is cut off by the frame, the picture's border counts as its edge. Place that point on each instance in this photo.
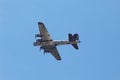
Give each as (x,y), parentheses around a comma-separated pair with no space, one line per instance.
(35,36)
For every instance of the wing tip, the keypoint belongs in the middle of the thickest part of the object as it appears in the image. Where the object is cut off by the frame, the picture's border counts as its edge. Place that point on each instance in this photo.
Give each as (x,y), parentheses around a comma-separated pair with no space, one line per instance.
(59,59)
(40,23)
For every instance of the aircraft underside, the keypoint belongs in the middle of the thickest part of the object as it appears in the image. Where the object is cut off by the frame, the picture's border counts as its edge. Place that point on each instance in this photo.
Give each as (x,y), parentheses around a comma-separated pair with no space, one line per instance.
(49,46)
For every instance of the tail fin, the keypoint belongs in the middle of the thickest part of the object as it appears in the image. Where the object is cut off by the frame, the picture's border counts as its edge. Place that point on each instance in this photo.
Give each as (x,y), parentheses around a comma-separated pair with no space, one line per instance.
(73,38)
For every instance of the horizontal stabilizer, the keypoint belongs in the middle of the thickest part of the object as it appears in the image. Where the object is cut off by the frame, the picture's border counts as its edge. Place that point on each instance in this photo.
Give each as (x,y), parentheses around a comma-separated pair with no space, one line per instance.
(75,46)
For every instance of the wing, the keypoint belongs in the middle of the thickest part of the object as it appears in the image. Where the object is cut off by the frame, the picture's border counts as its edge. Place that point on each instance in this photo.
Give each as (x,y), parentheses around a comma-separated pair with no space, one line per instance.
(55,53)
(46,36)
(43,32)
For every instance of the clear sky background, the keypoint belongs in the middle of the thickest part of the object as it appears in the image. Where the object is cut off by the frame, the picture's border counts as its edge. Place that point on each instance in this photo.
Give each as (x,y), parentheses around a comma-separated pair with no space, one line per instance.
(96,21)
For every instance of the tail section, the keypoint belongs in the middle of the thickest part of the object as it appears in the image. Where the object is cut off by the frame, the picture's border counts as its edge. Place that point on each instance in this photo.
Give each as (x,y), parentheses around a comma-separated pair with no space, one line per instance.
(75,39)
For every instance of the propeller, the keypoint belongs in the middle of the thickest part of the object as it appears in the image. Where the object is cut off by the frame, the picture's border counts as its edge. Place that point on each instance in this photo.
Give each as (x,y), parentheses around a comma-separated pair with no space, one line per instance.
(35,36)
(81,41)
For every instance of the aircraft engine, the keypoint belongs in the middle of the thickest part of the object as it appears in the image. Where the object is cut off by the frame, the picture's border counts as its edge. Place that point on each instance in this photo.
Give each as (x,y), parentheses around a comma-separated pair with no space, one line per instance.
(46,51)
(38,35)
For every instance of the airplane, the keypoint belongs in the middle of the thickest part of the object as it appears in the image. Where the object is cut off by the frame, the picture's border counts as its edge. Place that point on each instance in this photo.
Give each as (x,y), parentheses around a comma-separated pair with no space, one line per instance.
(46,43)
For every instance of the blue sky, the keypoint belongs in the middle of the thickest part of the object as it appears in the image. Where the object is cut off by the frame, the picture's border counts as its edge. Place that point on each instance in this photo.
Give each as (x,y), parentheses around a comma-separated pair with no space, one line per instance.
(96,21)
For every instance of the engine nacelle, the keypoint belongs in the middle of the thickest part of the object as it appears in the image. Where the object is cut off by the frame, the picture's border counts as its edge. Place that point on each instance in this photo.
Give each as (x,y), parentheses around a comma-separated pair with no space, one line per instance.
(38,35)
(38,40)
(46,51)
